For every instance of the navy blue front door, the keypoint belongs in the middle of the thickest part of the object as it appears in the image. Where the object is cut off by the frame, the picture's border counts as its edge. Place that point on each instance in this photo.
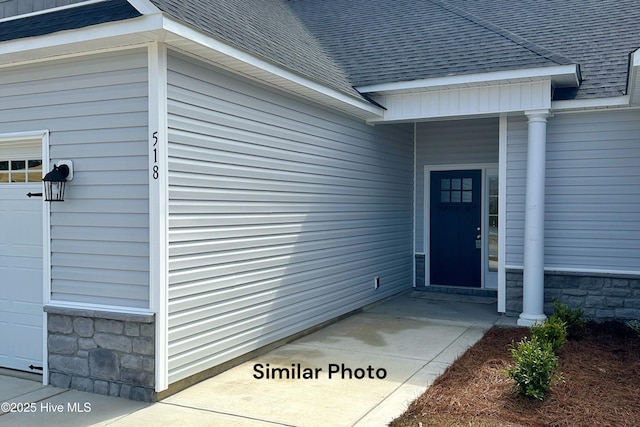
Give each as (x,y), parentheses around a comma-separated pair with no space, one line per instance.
(455,254)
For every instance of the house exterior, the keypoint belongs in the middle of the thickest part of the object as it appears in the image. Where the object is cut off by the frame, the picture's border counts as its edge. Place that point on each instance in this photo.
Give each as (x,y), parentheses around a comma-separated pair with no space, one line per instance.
(248,170)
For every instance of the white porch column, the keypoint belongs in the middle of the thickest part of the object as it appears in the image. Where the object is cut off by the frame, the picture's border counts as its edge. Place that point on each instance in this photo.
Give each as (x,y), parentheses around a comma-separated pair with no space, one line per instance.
(533,274)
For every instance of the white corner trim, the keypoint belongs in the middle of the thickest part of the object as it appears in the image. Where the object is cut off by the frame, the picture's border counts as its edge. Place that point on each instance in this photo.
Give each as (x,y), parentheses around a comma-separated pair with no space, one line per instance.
(158,208)
(182,30)
(415,194)
(561,75)
(502,213)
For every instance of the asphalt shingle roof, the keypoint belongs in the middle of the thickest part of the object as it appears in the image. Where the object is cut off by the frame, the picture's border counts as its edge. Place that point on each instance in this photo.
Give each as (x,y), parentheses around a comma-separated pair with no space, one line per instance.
(67,19)
(381,41)
(346,43)
(597,34)
(268,28)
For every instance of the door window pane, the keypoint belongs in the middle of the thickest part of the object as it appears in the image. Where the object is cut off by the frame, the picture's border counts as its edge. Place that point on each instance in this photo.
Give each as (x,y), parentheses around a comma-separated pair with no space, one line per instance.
(493,223)
(18,171)
(450,190)
(35,170)
(467,183)
(4,171)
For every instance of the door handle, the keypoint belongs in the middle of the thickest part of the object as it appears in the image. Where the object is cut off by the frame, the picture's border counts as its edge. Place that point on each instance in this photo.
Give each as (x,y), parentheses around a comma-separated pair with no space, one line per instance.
(30,194)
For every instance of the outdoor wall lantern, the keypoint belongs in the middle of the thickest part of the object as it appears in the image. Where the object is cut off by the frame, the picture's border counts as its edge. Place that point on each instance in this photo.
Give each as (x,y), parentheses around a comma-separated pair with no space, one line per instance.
(56,180)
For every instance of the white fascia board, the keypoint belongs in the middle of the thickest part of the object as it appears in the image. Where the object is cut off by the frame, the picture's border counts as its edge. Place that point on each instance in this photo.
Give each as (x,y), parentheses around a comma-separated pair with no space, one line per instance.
(591,103)
(174,27)
(560,75)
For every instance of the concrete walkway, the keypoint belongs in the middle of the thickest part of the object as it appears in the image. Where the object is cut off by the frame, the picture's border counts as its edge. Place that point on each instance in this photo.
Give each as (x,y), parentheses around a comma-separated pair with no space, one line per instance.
(361,371)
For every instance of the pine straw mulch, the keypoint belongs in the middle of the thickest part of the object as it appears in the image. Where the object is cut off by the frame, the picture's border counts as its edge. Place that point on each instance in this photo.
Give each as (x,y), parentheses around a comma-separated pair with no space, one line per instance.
(599,385)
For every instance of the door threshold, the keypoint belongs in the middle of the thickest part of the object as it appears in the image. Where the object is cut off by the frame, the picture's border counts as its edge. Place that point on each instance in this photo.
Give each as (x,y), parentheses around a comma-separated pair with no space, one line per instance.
(458,290)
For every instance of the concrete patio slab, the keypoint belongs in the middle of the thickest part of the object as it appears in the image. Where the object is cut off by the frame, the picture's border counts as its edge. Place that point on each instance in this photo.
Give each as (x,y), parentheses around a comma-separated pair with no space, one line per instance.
(72,408)
(403,344)
(328,399)
(379,333)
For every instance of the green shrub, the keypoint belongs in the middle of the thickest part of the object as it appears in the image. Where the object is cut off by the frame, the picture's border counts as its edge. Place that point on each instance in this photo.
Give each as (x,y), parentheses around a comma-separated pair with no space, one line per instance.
(574,320)
(552,331)
(535,364)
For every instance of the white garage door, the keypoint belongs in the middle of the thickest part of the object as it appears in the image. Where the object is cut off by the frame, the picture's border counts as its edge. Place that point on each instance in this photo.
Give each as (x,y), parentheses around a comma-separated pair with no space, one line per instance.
(21,281)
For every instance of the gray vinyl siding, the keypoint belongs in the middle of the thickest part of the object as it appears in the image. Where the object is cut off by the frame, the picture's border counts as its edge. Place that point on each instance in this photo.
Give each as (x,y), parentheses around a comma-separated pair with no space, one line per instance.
(451,143)
(10,8)
(95,108)
(592,203)
(280,215)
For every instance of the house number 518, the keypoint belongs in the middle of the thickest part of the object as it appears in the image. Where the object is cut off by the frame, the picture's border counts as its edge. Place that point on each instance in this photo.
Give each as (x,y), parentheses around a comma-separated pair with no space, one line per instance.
(155,156)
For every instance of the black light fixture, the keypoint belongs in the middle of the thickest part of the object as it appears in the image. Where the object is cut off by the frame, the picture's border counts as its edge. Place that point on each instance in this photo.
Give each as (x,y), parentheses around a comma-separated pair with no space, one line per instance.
(56,180)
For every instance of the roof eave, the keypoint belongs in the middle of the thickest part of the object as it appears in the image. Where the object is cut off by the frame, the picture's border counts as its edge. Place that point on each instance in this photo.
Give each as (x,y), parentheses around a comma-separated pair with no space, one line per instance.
(161,27)
(560,76)
(196,42)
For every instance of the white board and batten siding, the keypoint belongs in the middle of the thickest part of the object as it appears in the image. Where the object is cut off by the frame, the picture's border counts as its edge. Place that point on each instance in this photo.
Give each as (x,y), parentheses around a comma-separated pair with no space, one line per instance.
(459,142)
(280,215)
(95,108)
(592,203)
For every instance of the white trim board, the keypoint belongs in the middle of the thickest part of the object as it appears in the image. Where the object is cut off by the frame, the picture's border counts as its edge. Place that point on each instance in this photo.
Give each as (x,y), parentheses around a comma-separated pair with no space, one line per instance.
(98,307)
(502,213)
(580,270)
(561,75)
(158,208)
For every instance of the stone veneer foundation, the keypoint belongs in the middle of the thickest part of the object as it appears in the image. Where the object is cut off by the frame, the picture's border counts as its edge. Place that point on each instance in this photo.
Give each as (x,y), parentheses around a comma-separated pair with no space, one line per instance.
(102,352)
(600,296)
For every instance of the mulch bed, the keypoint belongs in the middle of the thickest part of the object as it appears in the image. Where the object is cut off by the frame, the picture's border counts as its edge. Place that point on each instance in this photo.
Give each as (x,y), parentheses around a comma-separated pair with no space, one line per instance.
(598,384)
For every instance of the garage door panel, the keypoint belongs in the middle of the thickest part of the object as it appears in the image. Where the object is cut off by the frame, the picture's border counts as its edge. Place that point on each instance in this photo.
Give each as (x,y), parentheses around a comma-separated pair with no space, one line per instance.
(21,278)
